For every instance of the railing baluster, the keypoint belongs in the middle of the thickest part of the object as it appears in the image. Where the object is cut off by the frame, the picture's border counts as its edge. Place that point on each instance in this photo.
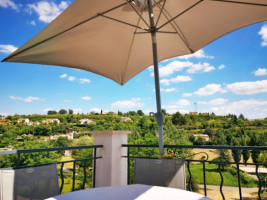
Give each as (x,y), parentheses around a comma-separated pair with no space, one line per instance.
(84,173)
(220,171)
(190,176)
(62,178)
(128,162)
(239,182)
(73,175)
(18,161)
(257,173)
(204,178)
(94,167)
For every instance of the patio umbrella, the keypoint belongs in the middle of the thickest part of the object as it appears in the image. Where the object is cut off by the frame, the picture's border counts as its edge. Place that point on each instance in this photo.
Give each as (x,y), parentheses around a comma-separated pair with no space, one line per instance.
(113,37)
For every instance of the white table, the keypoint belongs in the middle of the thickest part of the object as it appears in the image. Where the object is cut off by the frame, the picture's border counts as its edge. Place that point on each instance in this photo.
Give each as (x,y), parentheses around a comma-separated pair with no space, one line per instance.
(131,192)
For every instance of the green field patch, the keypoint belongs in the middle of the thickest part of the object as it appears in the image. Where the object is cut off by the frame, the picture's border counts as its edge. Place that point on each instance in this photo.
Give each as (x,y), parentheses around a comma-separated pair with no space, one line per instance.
(213,176)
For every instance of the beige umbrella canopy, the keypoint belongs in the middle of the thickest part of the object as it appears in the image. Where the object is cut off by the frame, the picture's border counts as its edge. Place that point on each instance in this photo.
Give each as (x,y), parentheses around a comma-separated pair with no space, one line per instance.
(113,37)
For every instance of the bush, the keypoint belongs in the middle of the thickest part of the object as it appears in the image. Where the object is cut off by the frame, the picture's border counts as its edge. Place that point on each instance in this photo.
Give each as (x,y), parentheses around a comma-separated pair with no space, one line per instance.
(194,184)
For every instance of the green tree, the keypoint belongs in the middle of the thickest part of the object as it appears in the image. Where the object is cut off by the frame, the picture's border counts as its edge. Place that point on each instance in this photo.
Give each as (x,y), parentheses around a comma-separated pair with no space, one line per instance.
(178,119)
(245,140)
(70,111)
(62,142)
(132,113)
(164,111)
(209,131)
(241,116)
(140,113)
(62,112)
(51,112)
(236,154)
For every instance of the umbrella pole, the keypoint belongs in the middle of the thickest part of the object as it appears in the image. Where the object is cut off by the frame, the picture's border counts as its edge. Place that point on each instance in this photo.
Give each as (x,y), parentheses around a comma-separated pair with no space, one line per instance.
(159,115)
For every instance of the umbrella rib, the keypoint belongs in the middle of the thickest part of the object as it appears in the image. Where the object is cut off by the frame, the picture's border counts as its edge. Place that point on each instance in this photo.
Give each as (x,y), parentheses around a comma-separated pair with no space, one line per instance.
(240,2)
(160,12)
(91,18)
(123,22)
(128,57)
(192,6)
(179,32)
(138,13)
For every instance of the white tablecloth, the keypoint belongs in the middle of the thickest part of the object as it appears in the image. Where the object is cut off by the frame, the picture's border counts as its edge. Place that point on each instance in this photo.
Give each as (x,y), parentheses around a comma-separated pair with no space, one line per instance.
(131,192)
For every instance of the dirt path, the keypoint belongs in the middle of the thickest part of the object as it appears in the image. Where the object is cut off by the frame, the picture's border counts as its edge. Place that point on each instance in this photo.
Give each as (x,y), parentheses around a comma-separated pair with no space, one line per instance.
(230,193)
(227,188)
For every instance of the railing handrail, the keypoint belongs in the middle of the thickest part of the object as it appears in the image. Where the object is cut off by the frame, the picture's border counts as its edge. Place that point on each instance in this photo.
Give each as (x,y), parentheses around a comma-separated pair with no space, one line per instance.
(200,146)
(174,149)
(19,151)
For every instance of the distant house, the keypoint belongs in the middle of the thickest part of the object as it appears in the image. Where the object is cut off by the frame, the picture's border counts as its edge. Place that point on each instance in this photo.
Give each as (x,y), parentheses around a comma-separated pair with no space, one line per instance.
(25,135)
(50,121)
(34,123)
(3,118)
(19,137)
(104,112)
(125,119)
(5,123)
(69,136)
(151,114)
(205,114)
(193,113)
(23,120)
(205,136)
(86,121)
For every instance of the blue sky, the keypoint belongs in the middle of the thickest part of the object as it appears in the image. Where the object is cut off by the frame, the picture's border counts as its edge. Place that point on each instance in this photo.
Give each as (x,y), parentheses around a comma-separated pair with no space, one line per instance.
(227,76)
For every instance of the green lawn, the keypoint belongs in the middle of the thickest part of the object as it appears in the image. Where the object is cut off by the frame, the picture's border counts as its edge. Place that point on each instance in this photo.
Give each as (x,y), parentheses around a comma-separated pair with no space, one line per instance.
(213,176)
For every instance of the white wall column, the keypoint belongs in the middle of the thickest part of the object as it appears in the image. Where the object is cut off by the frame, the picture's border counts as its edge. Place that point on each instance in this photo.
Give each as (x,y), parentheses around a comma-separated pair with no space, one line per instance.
(111,169)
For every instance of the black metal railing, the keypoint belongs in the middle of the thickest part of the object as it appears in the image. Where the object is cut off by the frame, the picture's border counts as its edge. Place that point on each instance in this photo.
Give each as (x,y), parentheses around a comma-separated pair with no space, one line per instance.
(19,152)
(183,151)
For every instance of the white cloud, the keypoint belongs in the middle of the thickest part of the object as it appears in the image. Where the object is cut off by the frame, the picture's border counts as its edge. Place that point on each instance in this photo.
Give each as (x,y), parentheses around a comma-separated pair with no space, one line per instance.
(7,48)
(221,67)
(77,110)
(47,11)
(177,106)
(15,98)
(33,23)
(71,78)
(248,88)
(218,101)
(187,94)
(246,107)
(63,76)
(84,80)
(47,109)
(133,103)
(263,33)
(28,99)
(176,80)
(169,90)
(210,89)
(172,67)
(260,72)
(172,111)
(8,3)
(67,101)
(208,69)
(166,90)
(177,65)
(86,98)
(198,54)
(204,67)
